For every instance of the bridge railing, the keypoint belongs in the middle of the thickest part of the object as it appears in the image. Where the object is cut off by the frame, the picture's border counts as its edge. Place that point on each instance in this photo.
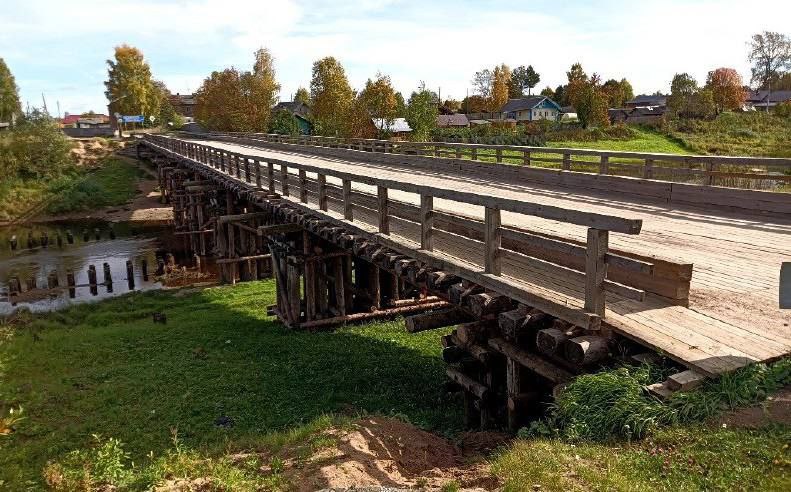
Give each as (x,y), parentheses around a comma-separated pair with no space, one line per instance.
(766,173)
(266,174)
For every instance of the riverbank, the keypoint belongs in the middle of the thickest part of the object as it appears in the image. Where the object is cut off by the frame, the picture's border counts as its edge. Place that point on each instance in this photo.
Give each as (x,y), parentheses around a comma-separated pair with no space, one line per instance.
(118,189)
(223,397)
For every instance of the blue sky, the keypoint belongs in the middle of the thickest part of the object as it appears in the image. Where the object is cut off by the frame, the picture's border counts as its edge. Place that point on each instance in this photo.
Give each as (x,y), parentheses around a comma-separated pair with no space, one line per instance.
(59,47)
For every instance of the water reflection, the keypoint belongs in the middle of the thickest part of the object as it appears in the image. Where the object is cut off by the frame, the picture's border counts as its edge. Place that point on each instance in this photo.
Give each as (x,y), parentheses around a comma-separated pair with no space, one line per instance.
(51,254)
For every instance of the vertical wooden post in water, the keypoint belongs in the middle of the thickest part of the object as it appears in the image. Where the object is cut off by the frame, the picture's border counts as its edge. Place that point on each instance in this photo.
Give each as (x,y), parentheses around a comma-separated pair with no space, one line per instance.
(92,283)
(108,277)
(130,275)
(144,267)
(71,284)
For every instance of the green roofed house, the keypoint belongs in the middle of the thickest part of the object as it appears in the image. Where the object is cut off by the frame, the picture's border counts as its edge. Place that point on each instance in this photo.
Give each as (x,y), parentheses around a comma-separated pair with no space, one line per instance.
(300,111)
(531,108)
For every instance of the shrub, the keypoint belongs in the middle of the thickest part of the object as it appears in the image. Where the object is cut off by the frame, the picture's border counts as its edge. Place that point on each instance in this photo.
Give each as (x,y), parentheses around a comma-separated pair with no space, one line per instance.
(531,135)
(783,109)
(35,148)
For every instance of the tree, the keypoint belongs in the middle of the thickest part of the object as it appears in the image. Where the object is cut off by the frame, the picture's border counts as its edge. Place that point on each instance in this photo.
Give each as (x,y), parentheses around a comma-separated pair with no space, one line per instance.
(422,113)
(400,105)
(591,104)
(523,78)
(548,92)
(687,100)
(617,92)
(284,123)
(482,83)
(129,87)
(475,104)
(501,79)
(452,105)
(9,95)
(332,97)
(302,95)
(378,98)
(231,100)
(770,54)
(560,95)
(259,90)
(727,89)
(578,81)
(36,148)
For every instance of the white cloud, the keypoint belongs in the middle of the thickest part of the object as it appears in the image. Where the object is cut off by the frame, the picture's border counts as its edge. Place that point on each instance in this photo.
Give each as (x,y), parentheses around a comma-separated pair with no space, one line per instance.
(52,44)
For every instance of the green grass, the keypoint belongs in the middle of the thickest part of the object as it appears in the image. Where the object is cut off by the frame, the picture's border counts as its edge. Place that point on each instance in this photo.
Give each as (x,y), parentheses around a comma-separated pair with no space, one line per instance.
(111,184)
(107,396)
(674,459)
(106,369)
(644,141)
(740,134)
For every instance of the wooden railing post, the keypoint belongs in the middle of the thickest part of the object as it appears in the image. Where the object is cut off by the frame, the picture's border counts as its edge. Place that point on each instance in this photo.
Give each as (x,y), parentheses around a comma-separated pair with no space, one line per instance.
(566,161)
(474,153)
(257,165)
(648,169)
(595,270)
(284,178)
(303,186)
(458,152)
(236,165)
(322,180)
(247,170)
(709,177)
(427,222)
(348,210)
(498,153)
(270,176)
(526,158)
(604,164)
(384,217)
(492,241)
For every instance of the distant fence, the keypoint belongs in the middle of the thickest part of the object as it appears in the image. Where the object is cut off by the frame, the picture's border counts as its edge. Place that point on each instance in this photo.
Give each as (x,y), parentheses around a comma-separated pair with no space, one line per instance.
(758,173)
(88,132)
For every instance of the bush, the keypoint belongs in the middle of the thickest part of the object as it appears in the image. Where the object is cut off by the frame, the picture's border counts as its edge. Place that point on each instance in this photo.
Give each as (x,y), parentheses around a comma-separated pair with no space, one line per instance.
(35,148)
(530,135)
(783,110)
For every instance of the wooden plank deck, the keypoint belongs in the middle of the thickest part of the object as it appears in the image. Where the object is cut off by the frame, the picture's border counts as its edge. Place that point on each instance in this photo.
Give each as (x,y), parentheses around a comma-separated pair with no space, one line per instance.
(733,316)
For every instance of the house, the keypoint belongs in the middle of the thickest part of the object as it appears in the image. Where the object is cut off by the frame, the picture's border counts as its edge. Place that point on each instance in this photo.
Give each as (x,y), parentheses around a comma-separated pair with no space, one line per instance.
(761,100)
(93,121)
(183,104)
(300,111)
(531,108)
(641,114)
(294,107)
(646,100)
(397,128)
(452,121)
(69,120)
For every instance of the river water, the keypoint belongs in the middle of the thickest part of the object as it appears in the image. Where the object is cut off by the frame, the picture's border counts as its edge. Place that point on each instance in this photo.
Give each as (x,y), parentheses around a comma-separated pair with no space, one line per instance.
(94,243)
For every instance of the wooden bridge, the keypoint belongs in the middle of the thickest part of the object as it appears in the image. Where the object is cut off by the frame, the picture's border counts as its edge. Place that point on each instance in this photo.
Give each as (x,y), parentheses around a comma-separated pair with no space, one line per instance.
(551,271)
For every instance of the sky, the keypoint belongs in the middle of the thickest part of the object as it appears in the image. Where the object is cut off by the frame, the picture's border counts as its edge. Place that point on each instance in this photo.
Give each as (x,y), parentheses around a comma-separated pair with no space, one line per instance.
(59,48)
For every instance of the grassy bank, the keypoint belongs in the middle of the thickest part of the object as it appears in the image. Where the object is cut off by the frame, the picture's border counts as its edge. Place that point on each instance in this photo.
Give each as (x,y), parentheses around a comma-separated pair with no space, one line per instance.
(643,141)
(224,393)
(113,183)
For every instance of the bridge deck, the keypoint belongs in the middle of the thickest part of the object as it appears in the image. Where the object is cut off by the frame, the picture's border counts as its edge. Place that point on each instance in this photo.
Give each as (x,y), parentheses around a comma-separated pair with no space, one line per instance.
(733,316)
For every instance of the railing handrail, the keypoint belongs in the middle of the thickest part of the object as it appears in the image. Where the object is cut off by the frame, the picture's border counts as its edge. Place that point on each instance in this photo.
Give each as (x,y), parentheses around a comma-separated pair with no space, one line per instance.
(608,222)
(745,161)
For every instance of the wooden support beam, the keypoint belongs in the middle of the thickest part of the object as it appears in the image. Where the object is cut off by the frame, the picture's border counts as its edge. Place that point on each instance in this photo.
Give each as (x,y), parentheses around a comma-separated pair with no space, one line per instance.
(269,230)
(303,186)
(586,350)
(435,319)
(479,390)
(348,209)
(535,363)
